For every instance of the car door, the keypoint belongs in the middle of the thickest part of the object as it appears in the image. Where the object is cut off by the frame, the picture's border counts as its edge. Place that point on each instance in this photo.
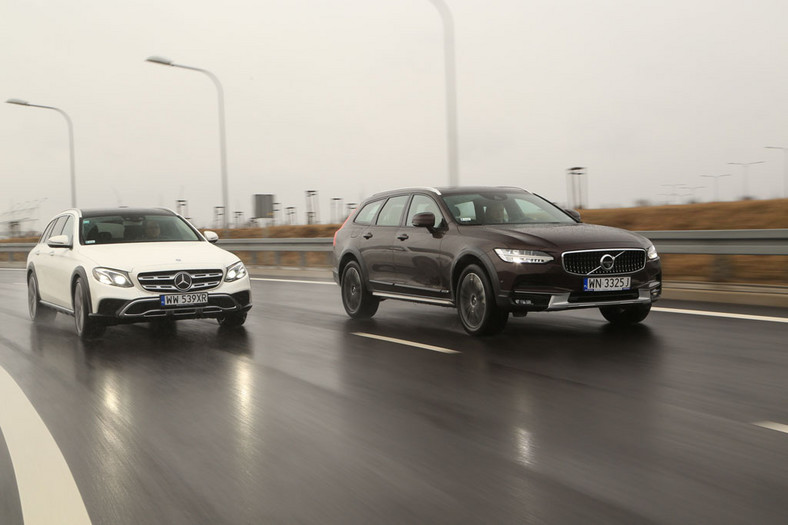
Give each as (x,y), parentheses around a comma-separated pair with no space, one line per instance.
(420,267)
(44,261)
(377,239)
(63,264)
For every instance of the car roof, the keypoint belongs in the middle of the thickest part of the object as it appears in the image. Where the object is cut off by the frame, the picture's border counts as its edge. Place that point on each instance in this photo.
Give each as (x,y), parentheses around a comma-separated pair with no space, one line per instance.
(452,190)
(98,212)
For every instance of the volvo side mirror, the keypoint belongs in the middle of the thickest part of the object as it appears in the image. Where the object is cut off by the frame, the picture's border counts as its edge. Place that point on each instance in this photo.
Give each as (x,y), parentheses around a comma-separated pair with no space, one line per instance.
(424,220)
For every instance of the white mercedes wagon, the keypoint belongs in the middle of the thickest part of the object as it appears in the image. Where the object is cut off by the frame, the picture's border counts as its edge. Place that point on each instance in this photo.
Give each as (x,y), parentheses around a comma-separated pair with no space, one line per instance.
(128,265)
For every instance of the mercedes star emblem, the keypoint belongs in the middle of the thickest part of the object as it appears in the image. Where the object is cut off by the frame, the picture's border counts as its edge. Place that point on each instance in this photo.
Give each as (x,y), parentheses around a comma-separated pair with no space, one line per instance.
(183,281)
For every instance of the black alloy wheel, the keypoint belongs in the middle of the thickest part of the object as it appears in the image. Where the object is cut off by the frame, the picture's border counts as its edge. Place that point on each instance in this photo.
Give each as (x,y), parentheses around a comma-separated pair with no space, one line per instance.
(232,320)
(38,312)
(625,314)
(87,328)
(476,303)
(359,303)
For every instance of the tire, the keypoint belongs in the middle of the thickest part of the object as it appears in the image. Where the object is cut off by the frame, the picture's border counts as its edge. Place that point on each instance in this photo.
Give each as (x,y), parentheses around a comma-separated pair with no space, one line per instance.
(87,328)
(232,320)
(38,312)
(479,314)
(163,326)
(359,303)
(625,314)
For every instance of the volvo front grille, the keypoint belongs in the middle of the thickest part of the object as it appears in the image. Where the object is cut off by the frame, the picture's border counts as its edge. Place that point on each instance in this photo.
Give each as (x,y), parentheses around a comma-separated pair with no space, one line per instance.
(604,262)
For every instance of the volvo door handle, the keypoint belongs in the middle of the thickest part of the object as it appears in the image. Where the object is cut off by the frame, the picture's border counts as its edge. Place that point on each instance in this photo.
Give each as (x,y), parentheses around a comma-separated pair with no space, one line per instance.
(367,235)
(402,236)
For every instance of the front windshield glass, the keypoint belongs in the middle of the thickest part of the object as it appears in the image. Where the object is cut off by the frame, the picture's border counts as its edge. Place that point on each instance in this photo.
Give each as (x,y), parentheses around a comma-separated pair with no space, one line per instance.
(121,229)
(504,208)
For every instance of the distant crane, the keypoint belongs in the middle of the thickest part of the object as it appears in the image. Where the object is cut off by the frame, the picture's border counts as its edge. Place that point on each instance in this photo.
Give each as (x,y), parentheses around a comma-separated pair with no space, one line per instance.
(12,221)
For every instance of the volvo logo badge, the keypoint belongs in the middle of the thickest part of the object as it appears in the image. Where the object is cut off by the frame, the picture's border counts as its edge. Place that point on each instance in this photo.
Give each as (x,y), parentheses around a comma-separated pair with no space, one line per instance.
(183,281)
(607,261)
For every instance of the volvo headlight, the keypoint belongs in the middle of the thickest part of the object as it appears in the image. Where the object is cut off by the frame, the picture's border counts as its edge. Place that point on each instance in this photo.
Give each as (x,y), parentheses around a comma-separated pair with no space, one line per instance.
(112,277)
(523,256)
(652,253)
(235,271)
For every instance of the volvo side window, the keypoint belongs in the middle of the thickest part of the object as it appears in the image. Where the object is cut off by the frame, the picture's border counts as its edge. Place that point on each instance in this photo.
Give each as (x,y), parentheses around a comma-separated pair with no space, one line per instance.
(368,212)
(423,204)
(391,214)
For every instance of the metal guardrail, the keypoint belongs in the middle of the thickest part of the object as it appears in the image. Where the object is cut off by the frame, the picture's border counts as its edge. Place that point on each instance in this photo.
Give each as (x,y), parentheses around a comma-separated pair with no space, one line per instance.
(713,242)
(721,242)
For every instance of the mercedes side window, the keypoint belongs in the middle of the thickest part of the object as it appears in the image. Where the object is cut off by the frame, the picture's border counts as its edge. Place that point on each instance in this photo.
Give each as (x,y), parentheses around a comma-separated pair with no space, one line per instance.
(424,204)
(57,229)
(47,232)
(368,212)
(68,229)
(391,214)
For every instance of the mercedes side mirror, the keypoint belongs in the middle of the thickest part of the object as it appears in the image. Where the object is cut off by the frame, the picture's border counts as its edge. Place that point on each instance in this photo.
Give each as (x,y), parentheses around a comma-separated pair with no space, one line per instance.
(210,236)
(58,241)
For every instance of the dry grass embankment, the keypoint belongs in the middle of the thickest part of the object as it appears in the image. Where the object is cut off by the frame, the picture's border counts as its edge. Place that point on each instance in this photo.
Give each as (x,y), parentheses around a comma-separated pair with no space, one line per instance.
(755,214)
(742,215)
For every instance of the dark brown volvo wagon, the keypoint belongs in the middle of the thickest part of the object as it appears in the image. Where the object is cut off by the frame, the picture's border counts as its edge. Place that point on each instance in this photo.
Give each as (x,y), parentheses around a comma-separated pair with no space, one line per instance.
(489,252)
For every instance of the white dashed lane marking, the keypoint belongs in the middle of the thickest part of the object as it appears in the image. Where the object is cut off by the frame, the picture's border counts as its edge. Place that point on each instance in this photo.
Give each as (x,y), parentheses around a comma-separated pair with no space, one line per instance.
(407,343)
(724,315)
(779,427)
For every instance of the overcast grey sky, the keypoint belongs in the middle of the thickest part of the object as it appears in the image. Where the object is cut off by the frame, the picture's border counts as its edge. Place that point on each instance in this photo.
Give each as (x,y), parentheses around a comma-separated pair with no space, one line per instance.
(347,97)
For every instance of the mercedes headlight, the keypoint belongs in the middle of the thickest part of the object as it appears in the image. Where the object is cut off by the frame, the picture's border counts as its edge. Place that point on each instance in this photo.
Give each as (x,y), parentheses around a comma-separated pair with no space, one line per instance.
(652,253)
(235,271)
(523,256)
(112,277)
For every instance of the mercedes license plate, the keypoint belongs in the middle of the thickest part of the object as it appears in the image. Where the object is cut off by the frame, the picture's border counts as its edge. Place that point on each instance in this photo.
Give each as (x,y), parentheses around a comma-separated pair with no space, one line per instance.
(183,299)
(605,284)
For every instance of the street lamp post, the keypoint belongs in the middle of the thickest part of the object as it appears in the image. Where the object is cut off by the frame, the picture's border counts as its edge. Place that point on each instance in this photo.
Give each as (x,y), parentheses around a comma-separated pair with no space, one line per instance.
(673,192)
(19,102)
(692,192)
(785,168)
(451,90)
(745,166)
(222,138)
(716,181)
(576,195)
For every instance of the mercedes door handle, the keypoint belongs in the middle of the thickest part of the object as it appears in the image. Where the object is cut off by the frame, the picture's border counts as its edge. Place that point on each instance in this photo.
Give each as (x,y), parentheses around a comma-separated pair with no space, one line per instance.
(402,236)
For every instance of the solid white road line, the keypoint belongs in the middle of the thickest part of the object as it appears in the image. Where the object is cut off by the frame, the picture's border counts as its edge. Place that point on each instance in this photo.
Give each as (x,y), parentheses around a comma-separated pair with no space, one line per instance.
(47,490)
(292,281)
(773,426)
(722,314)
(407,343)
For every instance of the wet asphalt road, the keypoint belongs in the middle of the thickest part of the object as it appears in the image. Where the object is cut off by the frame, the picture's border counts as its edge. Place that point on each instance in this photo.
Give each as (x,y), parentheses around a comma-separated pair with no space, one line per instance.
(295,419)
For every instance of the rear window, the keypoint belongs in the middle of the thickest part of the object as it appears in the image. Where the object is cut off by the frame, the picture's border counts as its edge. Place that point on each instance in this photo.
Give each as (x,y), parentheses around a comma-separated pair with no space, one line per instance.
(117,229)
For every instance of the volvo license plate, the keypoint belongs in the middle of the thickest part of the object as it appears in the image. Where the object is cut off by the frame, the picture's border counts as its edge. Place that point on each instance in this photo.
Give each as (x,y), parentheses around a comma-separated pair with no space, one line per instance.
(606,284)
(183,299)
